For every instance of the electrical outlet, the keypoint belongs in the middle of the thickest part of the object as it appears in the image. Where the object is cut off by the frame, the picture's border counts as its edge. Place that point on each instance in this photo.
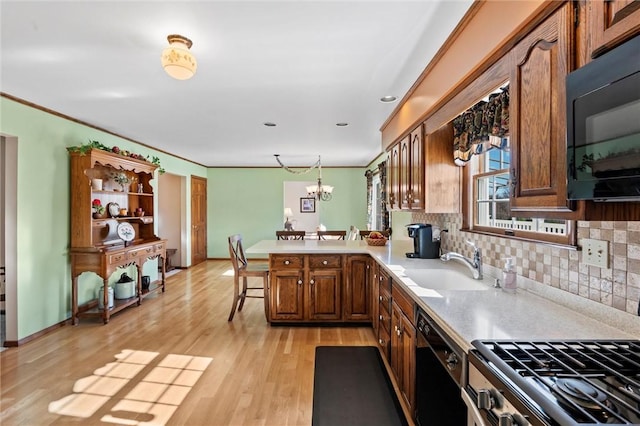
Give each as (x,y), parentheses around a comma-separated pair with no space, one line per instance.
(595,253)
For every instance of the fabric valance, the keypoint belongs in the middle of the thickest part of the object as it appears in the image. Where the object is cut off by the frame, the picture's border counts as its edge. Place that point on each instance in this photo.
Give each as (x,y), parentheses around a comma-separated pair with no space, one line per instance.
(482,127)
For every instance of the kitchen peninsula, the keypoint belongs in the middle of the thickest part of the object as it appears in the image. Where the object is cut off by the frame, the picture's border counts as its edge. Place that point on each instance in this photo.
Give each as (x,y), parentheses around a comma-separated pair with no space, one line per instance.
(471,309)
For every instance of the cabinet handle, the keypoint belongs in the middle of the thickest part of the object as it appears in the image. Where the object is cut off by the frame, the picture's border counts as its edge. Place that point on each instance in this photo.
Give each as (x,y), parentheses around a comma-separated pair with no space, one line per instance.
(286,262)
(398,332)
(381,341)
(381,298)
(324,262)
(312,282)
(299,282)
(380,318)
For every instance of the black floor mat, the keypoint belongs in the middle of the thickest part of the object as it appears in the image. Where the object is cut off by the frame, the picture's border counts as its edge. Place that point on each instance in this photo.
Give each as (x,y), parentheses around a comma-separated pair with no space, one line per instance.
(351,387)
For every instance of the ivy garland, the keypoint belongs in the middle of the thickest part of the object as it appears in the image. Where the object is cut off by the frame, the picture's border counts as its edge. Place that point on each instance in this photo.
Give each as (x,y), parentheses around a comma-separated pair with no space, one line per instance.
(87,147)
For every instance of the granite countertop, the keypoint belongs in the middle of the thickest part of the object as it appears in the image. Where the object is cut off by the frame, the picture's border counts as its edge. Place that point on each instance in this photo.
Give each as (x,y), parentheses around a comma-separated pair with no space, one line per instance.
(469,309)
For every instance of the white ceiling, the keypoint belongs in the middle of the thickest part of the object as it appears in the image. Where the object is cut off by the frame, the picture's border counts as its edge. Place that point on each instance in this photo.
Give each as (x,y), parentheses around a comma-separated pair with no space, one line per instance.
(304,65)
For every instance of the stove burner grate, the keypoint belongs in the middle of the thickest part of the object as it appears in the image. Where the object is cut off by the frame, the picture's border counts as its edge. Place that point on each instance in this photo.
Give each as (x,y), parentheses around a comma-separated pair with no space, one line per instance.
(584,382)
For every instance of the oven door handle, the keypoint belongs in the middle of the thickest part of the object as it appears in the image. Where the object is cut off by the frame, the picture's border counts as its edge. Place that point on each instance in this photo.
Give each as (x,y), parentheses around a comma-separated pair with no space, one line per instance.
(475,417)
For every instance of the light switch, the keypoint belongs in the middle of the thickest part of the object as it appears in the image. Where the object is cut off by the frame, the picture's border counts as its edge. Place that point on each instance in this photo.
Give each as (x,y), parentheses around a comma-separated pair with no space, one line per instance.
(595,253)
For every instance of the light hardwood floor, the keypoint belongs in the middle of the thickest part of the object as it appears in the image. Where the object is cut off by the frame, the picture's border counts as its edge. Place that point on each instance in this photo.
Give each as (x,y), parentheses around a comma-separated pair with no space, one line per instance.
(180,363)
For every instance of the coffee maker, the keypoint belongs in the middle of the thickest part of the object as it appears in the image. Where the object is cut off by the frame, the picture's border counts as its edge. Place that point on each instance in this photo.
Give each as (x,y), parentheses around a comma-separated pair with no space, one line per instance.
(424,245)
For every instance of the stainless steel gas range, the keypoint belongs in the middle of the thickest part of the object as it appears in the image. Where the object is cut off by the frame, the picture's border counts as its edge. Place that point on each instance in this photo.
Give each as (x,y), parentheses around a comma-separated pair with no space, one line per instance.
(588,382)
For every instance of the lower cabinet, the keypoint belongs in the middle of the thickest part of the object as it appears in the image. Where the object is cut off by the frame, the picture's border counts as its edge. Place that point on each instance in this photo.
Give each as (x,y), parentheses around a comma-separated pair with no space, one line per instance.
(357,288)
(396,311)
(313,288)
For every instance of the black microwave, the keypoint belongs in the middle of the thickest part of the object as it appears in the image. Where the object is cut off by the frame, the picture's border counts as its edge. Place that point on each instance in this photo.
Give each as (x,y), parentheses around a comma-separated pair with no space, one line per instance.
(603,127)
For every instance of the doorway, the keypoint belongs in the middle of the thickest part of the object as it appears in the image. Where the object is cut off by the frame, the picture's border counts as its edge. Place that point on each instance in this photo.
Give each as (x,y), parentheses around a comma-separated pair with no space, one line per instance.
(8,239)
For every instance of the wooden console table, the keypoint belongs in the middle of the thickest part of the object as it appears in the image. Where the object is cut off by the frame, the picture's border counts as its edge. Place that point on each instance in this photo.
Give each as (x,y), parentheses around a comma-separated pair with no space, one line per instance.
(103,262)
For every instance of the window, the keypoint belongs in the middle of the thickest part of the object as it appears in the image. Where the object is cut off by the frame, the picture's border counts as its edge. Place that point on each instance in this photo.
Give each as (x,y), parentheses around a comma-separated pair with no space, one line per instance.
(491,212)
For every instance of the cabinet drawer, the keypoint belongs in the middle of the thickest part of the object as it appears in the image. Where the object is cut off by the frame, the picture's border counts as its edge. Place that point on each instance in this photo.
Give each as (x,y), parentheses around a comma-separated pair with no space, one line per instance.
(116,258)
(384,341)
(384,300)
(325,261)
(384,320)
(385,281)
(286,261)
(403,301)
(140,251)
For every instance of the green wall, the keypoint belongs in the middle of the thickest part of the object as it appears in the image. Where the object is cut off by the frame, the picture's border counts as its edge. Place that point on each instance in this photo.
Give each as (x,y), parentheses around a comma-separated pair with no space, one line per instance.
(249,202)
(43,199)
(242,200)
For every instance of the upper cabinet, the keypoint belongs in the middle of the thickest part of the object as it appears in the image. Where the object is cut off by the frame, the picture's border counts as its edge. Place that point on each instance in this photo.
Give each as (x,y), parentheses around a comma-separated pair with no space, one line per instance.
(421,172)
(610,23)
(541,62)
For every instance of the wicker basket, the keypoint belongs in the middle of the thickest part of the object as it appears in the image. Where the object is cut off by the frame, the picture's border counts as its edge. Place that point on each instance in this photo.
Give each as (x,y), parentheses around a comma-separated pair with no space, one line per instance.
(376,241)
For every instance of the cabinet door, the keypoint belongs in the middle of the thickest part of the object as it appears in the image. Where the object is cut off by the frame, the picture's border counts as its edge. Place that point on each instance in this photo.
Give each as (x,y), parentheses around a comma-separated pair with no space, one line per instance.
(538,108)
(407,351)
(416,173)
(442,176)
(405,173)
(286,295)
(396,343)
(324,295)
(611,22)
(357,289)
(393,178)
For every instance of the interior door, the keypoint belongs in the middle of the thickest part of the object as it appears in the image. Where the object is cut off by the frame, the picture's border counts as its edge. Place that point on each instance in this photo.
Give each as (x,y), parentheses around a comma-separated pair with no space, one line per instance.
(198,220)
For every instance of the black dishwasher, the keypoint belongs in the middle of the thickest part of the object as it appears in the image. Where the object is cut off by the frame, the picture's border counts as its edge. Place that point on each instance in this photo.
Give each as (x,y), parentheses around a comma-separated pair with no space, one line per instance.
(441,371)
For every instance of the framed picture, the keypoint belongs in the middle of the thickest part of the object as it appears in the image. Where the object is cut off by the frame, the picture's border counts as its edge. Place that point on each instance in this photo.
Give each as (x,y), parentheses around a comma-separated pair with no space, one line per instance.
(307,205)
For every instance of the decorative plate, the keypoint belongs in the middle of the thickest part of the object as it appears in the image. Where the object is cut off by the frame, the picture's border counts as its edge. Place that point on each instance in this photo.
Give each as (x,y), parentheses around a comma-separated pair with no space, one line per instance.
(113,209)
(126,231)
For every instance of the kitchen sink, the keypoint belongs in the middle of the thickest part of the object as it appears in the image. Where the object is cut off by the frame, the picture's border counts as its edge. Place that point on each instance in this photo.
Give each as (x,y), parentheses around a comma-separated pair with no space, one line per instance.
(444,279)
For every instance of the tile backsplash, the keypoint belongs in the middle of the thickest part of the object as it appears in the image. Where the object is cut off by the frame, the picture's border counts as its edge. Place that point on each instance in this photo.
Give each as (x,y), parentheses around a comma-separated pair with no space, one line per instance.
(617,286)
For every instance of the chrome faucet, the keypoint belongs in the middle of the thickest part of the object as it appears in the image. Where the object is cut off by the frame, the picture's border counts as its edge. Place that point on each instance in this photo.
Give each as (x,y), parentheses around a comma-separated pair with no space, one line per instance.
(474,264)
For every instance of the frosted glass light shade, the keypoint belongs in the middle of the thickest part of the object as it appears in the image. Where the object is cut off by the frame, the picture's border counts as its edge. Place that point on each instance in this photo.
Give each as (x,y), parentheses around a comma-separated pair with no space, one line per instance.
(288,212)
(177,60)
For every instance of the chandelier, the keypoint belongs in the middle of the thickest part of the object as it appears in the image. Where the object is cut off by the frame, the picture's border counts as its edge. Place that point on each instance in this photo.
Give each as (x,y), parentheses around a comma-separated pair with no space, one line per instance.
(177,60)
(318,191)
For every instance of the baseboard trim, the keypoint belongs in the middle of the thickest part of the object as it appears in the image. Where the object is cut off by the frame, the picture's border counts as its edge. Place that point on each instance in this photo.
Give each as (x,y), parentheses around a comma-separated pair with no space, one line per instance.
(16,343)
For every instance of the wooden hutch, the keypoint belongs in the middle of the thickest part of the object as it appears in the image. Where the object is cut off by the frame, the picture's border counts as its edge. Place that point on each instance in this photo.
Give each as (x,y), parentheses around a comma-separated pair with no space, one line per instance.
(98,244)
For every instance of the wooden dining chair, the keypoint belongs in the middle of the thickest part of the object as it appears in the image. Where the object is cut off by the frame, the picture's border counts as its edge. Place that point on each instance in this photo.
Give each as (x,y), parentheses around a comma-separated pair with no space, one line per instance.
(339,234)
(290,235)
(242,269)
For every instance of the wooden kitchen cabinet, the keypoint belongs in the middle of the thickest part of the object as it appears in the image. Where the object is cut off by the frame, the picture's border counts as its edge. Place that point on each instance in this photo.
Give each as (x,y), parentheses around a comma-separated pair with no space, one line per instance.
(442,177)
(357,288)
(403,344)
(95,243)
(538,175)
(305,287)
(393,177)
(610,23)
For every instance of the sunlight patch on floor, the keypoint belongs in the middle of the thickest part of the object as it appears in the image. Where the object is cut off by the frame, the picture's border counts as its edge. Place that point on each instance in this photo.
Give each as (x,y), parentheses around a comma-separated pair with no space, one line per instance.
(152,401)
(228,273)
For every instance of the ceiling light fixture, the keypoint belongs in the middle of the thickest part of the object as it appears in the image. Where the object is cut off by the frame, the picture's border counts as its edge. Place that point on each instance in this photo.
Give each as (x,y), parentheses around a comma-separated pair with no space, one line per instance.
(177,60)
(319,191)
(388,99)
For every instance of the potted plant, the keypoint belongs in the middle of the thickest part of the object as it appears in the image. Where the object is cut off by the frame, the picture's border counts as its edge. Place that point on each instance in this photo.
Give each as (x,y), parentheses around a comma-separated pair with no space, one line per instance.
(98,209)
(121,179)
